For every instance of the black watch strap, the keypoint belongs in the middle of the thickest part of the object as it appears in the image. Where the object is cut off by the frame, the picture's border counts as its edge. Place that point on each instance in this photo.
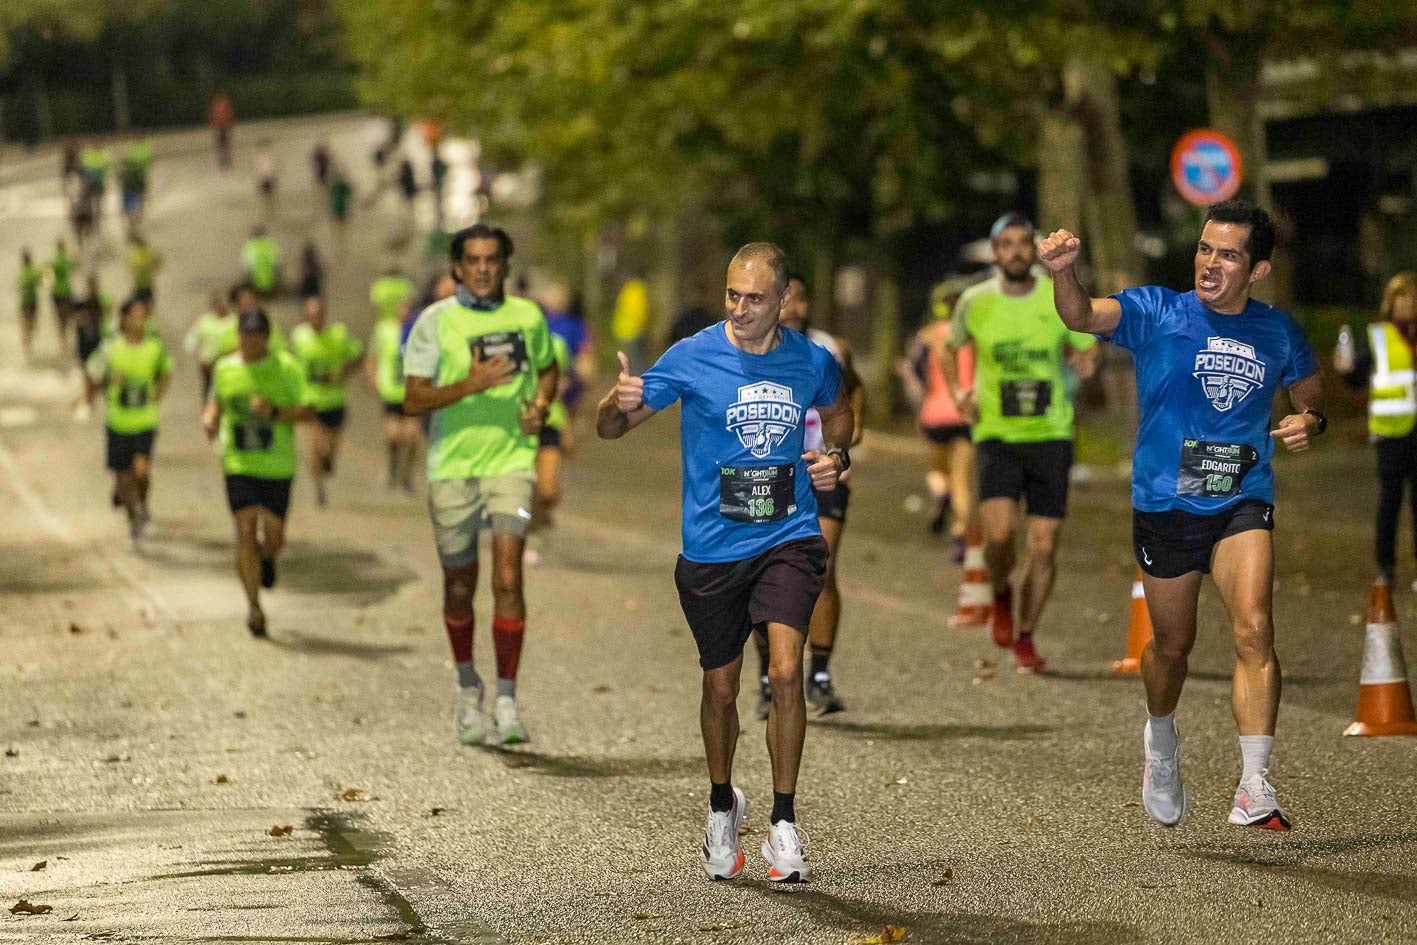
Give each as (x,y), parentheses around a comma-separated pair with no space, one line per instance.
(1323,420)
(845,456)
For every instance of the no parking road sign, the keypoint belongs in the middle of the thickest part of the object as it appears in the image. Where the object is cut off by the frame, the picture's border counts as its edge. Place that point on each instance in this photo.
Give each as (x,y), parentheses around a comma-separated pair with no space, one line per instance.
(1206,167)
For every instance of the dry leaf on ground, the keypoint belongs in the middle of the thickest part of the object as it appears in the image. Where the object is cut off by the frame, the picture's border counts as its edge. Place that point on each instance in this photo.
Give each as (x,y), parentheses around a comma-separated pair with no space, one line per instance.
(350,794)
(946,879)
(281,831)
(25,907)
(12,753)
(221,779)
(39,866)
(888,933)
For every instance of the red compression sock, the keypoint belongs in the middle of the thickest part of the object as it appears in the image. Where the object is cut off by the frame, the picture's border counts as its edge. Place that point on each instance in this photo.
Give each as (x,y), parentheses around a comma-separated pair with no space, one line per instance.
(460,636)
(507,637)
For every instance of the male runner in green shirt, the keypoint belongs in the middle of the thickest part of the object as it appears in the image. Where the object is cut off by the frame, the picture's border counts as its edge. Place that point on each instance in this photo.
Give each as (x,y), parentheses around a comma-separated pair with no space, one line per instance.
(258,395)
(205,338)
(329,354)
(1023,423)
(61,287)
(482,364)
(133,368)
(30,279)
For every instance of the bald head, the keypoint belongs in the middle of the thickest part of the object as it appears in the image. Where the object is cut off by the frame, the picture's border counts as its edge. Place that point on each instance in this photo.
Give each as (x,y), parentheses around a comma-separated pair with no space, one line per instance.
(768,256)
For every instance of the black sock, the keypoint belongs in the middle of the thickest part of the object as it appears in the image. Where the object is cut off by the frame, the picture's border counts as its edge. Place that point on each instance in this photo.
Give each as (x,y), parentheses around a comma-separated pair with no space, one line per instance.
(782,808)
(721,796)
(821,660)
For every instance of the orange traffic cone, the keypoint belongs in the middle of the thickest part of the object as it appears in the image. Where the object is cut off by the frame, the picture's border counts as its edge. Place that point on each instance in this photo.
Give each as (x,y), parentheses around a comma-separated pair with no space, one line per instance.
(1139,634)
(1384,698)
(976,597)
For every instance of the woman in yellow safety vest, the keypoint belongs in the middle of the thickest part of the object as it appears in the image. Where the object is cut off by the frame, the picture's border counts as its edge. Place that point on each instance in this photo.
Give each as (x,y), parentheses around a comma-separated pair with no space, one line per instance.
(1390,365)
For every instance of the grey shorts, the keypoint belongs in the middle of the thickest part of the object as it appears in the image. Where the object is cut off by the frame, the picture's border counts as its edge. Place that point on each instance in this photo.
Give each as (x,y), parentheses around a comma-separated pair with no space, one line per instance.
(460,508)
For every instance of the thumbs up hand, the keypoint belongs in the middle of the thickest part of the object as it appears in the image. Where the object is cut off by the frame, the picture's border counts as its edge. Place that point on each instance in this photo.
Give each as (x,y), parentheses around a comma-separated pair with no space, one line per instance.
(629,390)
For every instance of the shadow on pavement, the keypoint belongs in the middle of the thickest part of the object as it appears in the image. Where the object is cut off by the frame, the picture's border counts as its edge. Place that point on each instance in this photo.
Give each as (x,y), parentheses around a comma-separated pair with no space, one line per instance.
(329,646)
(942,928)
(1399,886)
(580,766)
(887,731)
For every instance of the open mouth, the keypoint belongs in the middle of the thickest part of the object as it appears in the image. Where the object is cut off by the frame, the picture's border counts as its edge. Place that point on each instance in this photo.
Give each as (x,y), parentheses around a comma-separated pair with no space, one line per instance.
(1208,282)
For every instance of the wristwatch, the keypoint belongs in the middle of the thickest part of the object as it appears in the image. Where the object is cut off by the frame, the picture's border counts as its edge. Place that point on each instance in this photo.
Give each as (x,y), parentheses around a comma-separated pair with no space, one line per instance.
(1323,421)
(845,456)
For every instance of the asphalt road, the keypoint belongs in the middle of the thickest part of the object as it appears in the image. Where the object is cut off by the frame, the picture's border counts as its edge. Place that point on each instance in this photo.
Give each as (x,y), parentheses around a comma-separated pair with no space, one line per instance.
(151,746)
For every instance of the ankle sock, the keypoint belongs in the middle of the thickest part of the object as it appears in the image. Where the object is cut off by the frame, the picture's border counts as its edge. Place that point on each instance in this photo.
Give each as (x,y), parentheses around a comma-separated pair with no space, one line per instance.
(782,807)
(1254,754)
(821,662)
(721,796)
(1163,733)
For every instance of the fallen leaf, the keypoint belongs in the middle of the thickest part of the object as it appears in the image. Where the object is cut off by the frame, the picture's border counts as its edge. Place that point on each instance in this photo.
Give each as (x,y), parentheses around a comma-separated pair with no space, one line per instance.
(436,811)
(72,918)
(25,907)
(1132,804)
(602,688)
(12,753)
(76,628)
(221,779)
(279,831)
(945,880)
(39,866)
(240,713)
(888,933)
(983,664)
(642,916)
(350,794)
(115,759)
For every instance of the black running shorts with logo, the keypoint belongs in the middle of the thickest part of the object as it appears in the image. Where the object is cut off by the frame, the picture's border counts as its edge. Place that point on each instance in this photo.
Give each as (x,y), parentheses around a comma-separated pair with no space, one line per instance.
(724,601)
(124,447)
(1170,544)
(273,495)
(833,504)
(1035,472)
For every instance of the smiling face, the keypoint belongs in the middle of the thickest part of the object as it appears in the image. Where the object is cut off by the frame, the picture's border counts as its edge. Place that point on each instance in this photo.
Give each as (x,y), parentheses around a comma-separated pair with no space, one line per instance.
(482,268)
(1224,273)
(1015,252)
(753,302)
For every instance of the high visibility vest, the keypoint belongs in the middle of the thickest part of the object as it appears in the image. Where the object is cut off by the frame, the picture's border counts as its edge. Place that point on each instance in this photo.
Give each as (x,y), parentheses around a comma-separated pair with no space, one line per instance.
(1392,407)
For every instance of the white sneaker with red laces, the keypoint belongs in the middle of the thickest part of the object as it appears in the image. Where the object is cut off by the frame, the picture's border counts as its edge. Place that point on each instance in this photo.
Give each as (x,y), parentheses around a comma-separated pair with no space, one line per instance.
(1256,805)
(783,849)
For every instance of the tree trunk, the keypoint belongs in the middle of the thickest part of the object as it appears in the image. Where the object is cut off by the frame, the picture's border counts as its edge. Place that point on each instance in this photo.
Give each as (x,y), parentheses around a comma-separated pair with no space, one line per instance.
(1091,90)
(121,115)
(44,117)
(1062,174)
(885,343)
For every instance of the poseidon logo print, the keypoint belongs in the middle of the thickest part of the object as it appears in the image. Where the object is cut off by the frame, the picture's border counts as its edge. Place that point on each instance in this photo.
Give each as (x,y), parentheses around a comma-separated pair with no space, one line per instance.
(1228,370)
(762,416)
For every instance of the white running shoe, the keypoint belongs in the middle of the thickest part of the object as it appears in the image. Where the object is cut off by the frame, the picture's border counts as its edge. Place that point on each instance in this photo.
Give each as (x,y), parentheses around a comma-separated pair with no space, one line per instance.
(784,851)
(473,724)
(721,856)
(1162,793)
(1256,805)
(510,730)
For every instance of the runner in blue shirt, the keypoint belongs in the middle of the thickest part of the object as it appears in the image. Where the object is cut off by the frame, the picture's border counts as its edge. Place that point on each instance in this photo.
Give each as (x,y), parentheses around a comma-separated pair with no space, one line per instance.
(753,550)
(1209,365)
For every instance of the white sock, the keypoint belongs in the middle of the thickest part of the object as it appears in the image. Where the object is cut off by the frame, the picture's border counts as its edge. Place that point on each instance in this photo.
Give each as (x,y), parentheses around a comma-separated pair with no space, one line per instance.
(1163,733)
(1254,750)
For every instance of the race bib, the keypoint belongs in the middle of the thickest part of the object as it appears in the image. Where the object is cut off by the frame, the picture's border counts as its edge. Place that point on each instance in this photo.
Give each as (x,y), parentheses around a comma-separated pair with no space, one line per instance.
(1025,398)
(253,435)
(757,494)
(1214,470)
(133,395)
(512,344)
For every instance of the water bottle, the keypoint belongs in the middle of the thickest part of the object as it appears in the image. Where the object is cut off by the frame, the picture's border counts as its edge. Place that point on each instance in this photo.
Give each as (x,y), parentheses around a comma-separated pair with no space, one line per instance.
(1343,353)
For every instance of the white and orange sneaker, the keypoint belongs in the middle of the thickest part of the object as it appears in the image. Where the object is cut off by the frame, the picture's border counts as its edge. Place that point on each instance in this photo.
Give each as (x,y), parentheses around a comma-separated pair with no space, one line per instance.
(1256,805)
(722,855)
(784,851)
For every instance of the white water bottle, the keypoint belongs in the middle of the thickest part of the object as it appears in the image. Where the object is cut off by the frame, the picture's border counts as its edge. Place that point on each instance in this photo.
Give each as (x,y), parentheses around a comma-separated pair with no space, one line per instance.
(1343,353)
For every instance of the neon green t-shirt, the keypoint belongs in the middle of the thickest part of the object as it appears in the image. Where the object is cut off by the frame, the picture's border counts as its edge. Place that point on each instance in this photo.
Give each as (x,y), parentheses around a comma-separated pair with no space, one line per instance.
(260,257)
(387,292)
(386,342)
(130,373)
(480,435)
(252,445)
(1019,344)
(556,417)
(31,278)
(325,354)
(60,269)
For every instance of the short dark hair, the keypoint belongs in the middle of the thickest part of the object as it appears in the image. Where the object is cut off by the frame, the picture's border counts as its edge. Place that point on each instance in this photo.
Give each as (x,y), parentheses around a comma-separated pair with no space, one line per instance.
(238,288)
(480,231)
(798,277)
(1260,241)
(770,255)
(128,304)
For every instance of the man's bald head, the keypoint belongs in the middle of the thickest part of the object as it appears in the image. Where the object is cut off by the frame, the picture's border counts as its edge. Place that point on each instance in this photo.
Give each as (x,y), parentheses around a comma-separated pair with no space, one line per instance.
(767,256)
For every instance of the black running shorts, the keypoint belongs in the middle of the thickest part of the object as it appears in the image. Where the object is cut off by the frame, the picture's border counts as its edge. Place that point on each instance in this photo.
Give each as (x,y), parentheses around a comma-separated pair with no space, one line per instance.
(550,438)
(1170,544)
(394,408)
(273,495)
(942,435)
(723,602)
(833,504)
(332,419)
(1034,472)
(124,447)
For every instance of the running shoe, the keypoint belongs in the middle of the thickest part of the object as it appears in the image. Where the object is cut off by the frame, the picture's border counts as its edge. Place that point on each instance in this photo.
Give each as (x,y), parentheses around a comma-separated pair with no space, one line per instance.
(1162,793)
(1256,806)
(958,546)
(821,695)
(268,572)
(322,499)
(783,849)
(1027,657)
(473,724)
(256,623)
(510,730)
(721,856)
(942,512)
(764,698)
(1001,619)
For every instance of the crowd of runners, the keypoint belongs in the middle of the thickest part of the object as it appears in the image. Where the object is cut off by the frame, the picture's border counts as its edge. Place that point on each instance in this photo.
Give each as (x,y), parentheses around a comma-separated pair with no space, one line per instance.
(480,385)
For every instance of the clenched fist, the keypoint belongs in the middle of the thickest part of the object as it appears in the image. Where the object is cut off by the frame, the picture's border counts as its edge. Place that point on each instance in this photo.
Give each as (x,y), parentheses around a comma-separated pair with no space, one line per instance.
(1059,250)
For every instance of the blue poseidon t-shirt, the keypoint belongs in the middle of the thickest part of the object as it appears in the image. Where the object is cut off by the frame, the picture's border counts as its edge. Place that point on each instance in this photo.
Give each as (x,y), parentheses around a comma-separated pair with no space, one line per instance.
(1206,384)
(745,485)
